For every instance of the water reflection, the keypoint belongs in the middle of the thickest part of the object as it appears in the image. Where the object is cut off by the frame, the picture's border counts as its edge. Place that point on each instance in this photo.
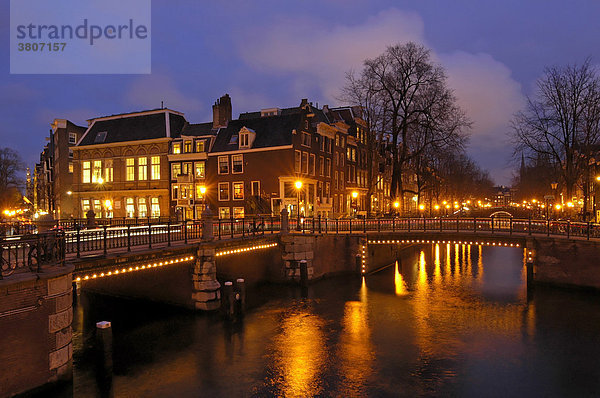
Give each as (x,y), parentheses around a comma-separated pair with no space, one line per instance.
(444,320)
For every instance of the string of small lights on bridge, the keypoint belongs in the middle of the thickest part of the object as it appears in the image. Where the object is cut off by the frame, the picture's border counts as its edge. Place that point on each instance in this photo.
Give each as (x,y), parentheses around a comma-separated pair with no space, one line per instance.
(244,249)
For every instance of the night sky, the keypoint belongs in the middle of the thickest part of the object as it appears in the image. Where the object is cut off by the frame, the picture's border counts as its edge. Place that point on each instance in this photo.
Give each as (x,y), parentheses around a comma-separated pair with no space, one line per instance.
(273,53)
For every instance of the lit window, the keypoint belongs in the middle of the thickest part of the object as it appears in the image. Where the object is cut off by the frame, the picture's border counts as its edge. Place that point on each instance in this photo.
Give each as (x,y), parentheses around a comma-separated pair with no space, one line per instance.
(223,165)
(97,171)
(199,194)
(155,209)
(224,212)
(187,169)
(142,208)
(175,170)
(238,191)
(177,147)
(108,170)
(97,208)
(130,163)
(200,169)
(129,208)
(142,169)
(70,167)
(238,212)
(237,164)
(155,168)
(85,205)
(223,191)
(187,147)
(86,172)
(200,146)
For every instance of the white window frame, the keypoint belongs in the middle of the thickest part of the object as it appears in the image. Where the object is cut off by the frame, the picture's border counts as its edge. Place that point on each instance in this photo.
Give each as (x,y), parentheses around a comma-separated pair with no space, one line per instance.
(233,184)
(219,191)
(226,162)
(232,164)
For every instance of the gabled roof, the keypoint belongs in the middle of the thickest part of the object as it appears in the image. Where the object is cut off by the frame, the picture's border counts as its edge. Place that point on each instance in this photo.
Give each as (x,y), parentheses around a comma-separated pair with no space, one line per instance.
(270,131)
(138,126)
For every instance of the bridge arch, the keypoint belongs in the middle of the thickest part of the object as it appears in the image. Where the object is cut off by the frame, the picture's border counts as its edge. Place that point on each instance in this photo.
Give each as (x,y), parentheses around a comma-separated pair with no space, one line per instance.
(501,213)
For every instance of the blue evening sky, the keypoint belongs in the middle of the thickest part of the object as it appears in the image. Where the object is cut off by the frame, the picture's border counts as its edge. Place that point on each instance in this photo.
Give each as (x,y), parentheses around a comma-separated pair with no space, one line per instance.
(273,53)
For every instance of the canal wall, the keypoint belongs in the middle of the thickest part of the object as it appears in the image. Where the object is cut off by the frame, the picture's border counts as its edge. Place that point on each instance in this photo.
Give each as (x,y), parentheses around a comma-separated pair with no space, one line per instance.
(565,263)
(35,330)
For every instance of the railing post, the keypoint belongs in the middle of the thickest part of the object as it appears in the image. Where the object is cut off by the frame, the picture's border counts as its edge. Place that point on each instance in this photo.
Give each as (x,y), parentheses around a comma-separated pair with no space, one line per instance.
(424,224)
(492,225)
(325,225)
(568,229)
(408,224)
(319,223)
(441,225)
(588,230)
(219,231)
(128,237)
(104,238)
(337,230)
(457,225)
(313,224)
(547,227)
(393,224)
(244,229)
(78,241)
(510,227)
(149,236)
(350,225)
(529,224)
(365,225)
(474,225)
(169,232)
(232,225)
(379,225)
(185,237)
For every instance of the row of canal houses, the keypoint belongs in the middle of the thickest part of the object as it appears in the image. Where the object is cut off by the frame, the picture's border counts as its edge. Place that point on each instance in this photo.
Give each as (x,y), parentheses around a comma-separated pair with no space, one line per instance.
(155,163)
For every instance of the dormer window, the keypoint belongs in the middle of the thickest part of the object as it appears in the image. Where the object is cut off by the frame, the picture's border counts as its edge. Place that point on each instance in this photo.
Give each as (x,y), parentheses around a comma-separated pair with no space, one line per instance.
(100,137)
(234,139)
(244,140)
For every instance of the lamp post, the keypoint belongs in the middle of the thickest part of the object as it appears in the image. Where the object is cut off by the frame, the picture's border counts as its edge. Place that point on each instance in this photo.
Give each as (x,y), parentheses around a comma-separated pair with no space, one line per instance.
(298,186)
(421,209)
(554,185)
(396,206)
(354,202)
(203,202)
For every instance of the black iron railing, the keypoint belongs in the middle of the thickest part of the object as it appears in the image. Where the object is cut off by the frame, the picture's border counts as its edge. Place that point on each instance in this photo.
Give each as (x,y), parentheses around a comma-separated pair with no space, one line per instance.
(31,253)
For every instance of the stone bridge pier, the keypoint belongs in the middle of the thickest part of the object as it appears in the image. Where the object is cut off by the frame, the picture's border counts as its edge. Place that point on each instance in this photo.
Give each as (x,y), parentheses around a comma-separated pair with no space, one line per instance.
(206,294)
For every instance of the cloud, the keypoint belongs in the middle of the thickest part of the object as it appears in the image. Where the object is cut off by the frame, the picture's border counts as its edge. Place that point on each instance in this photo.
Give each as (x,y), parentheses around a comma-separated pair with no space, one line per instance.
(147,92)
(315,54)
(319,53)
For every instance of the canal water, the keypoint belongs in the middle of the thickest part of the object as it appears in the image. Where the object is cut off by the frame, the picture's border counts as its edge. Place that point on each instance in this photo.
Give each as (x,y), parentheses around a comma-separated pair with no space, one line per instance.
(445,320)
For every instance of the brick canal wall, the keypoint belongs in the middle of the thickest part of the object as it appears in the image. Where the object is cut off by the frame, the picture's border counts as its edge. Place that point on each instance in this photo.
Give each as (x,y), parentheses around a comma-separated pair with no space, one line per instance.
(35,330)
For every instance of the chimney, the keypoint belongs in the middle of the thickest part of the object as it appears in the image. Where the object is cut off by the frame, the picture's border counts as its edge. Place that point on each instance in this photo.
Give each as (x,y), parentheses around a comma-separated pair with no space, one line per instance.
(222,111)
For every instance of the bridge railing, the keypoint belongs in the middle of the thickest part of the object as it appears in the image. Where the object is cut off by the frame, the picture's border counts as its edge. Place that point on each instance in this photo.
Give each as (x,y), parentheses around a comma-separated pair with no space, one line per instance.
(31,253)
(242,227)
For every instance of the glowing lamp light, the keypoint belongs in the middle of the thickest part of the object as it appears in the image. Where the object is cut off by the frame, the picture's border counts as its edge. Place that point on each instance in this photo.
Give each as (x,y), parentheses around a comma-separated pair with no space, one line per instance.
(202,189)
(437,207)
(354,194)
(421,207)
(298,184)
(69,193)
(570,204)
(108,204)
(396,204)
(100,180)
(558,207)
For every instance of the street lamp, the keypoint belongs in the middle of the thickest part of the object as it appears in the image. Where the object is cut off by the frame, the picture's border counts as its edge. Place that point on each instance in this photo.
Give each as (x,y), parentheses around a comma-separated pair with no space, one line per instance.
(421,208)
(354,201)
(298,185)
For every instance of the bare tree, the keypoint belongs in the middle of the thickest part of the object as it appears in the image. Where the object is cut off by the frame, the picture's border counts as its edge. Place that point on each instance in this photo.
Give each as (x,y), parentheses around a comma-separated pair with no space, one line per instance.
(10,182)
(560,120)
(412,103)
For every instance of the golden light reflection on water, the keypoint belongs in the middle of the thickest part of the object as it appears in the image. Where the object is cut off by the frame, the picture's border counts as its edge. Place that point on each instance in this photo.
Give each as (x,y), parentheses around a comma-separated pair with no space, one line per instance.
(437,273)
(301,354)
(399,284)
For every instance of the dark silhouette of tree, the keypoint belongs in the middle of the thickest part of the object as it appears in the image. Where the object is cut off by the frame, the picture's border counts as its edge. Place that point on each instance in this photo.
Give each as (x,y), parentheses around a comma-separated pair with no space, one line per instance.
(10,182)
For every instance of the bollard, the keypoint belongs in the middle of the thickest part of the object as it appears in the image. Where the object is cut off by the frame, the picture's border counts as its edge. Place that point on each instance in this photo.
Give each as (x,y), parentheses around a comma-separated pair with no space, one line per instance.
(303,273)
(229,299)
(240,287)
(104,355)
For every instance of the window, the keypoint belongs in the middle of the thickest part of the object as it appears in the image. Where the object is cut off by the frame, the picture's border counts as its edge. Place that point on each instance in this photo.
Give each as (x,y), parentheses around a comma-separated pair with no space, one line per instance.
(142,209)
(187,169)
(130,166)
(129,208)
(175,170)
(244,140)
(224,212)
(85,205)
(305,139)
(297,156)
(185,191)
(237,164)
(199,194)
(200,168)
(155,168)
(142,169)
(97,207)
(328,167)
(86,172)
(337,140)
(342,141)
(100,137)
(108,170)
(342,180)
(311,164)
(348,153)
(255,187)
(223,191)
(97,171)
(187,146)
(327,190)
(223,165)
(155,207)
(321,166)
(175,192)
(70,167)
(176,147)
(72,138)
(233,139)
(305,162)
(238,212)
(70,153)
(323,139)
(199,146)
(238,191)
(335,180)
(329,145)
